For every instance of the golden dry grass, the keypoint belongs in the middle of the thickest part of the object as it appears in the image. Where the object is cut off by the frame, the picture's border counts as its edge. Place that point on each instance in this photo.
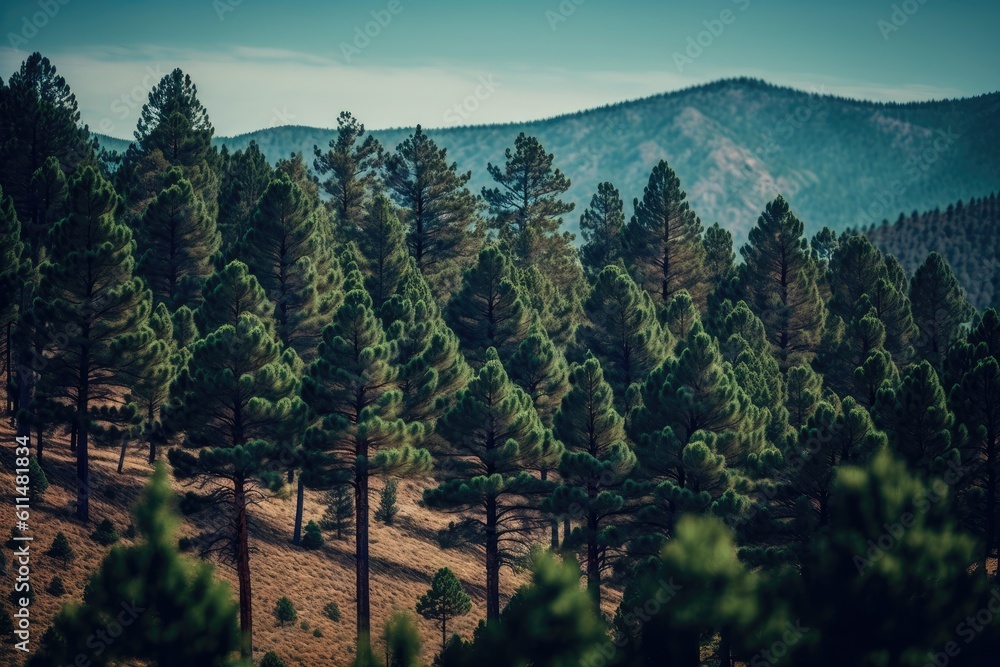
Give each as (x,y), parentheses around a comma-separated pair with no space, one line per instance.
(404,557)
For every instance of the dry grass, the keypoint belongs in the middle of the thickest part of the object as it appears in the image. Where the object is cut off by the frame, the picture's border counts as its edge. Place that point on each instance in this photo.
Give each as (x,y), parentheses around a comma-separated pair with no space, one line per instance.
(404,557)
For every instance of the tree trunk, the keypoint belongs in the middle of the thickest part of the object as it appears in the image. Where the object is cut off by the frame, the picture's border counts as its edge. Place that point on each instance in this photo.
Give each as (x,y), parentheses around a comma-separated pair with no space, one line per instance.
(121,455)
(725,651)
(83,427)
(299,501)
(554,522)
(9,371)
(243,566)
(593,560)
(73,431)
(361,553)
(39,444)
(492,562)
(152,439)
(444,634)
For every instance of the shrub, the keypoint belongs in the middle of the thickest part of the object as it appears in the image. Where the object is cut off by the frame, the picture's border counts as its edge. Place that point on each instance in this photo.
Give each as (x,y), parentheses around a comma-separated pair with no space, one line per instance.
(313,538)
(271,659)
(304,625)
(387,507)
(185,544)
(317,633)
(130,531)
(39,482)
(105,533)
(56,587)
(332,611)
(61,548)
(284,611)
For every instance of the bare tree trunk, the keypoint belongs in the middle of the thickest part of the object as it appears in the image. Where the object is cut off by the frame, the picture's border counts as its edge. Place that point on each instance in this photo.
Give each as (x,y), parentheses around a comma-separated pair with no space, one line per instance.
(299,502)
(243,566)
(492,562)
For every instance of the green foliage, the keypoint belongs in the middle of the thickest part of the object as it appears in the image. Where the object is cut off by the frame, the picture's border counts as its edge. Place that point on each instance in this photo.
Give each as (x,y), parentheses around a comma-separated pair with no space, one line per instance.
(244,176)
(61,548)
(271,659)
(779,278)
(381,241)
(105,534)
(39,482)
(56,587)
(176,612)
(332,611)
(663,247)
(339,513)
(601,226)
(350,163)
(444,601)
(402,640)
(939,308)
(387,508)
(539,367)
(284,611)
(313,538)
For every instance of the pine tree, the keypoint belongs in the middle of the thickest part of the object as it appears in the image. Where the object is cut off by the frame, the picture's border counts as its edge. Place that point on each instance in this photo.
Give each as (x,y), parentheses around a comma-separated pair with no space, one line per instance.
(527,211)
(804,389)
(939,308)
(159,594)
(489,310)
(177,241)
(185,328)
(431,366)
(286,249)
(595,466)
(49,188)
(680,316)
(441,214)
(444,601)
(339,514)
(539,368)
(350,162)
(243,181)
(237,402)
(387,508)
(231,293)
(41,122)
(61,549)
(695,429)
(381,240)
(920,426)
(351,387)
(151,391)
(88,290)
(663,244)
(779,277)
(14,271)
(496,438)
(720,260)
(601,226)
(622,331)
(402,641)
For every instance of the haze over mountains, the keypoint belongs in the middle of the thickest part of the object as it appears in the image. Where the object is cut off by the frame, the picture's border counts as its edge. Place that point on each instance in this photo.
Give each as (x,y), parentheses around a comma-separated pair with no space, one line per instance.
(736,144)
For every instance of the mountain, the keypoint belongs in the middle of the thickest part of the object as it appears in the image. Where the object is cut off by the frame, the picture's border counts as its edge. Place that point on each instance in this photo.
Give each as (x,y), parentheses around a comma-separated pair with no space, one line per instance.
(964,233)
(736,144)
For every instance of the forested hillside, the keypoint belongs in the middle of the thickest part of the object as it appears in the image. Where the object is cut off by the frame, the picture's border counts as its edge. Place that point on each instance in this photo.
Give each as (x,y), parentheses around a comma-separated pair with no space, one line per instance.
(965,233)
(346,407)
(737,144)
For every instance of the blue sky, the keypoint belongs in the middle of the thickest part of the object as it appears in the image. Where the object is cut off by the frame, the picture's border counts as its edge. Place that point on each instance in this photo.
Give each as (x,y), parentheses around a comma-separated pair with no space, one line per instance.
(442,63)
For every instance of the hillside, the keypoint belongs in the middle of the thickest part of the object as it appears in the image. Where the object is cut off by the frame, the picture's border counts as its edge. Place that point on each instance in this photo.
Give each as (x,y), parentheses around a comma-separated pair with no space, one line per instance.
(735,144)
(964,233)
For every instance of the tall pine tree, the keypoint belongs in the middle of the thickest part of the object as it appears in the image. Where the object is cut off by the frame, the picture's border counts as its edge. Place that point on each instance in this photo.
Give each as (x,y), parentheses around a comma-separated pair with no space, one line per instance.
(601,226)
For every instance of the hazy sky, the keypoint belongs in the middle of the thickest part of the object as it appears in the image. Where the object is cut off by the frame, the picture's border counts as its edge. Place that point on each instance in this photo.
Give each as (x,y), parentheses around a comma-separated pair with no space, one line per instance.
(444,63)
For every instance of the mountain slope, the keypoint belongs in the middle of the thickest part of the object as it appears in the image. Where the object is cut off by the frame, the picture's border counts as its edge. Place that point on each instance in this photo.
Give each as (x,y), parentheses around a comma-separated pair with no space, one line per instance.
(735,145)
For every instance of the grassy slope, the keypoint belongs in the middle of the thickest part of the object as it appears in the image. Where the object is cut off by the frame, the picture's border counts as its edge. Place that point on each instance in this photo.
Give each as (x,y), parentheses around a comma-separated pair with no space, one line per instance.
(404,557)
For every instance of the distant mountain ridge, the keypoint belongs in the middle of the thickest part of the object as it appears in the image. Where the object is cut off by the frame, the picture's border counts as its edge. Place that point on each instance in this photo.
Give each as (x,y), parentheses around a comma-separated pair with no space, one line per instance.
(736,144)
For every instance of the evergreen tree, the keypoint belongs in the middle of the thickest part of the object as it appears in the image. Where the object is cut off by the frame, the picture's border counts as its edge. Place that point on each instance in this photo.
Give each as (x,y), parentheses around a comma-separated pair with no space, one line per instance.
(151,391)
(350,162)
(440,213)
(14,271)
(185,328)
(49,188)
(920,426)
(496,438)
(175,610)
(402,641)
(387,508)
(313,538)
(804,388)
(540,369)
(351,388)
(286,249)
(527,211)
(91,300)
(61,549)
(231,293)
(444,601)
(939,308)
(489,310)
(244,179)
(601,226)
(284,611)
(382,243)
(779,277)
(680,316)
(177,241)
(595,466)
(622,331)
(237,401)
(339,514)
(694,429)
(720,259)
(663,244)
